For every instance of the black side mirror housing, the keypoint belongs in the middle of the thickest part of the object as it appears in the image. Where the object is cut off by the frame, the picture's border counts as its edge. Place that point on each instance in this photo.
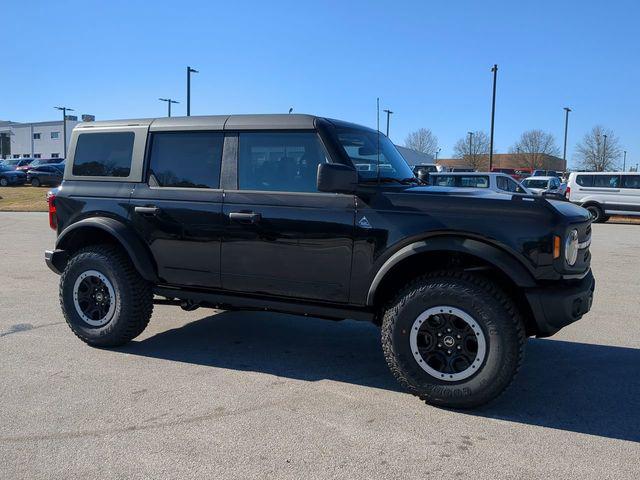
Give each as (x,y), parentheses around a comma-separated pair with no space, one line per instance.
(336,178)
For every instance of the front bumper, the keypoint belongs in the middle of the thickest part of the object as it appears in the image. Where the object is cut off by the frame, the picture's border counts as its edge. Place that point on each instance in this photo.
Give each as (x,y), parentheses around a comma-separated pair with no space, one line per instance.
(558,305)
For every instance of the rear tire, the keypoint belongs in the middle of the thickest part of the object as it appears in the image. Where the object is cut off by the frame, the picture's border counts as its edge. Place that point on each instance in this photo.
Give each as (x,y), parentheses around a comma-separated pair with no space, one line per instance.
(35,182)
(105,301)
(467,367)
(597,214)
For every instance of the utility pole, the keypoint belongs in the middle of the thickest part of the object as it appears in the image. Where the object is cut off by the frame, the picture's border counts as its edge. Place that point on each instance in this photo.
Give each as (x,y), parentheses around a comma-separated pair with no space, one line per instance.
(169,102)
(493,113)
(624,162)
(389,113)
(437,152)
(566,126)
(189,72)
(470,142)
(64,128)
(604,152)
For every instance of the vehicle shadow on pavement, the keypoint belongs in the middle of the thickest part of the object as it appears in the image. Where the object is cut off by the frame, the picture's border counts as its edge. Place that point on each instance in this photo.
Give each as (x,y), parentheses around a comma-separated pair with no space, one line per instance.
(592,389)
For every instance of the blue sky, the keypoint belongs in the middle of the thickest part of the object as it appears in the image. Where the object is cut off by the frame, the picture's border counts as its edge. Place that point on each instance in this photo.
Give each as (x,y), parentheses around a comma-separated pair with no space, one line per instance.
(428,61)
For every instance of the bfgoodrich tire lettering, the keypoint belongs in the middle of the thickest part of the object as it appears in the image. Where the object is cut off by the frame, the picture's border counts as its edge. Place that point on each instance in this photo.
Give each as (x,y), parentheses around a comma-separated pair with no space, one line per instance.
(133,296)
(492,310)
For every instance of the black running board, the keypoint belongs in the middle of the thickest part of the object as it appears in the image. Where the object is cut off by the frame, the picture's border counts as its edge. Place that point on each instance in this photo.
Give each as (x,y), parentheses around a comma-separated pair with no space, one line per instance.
(224,301)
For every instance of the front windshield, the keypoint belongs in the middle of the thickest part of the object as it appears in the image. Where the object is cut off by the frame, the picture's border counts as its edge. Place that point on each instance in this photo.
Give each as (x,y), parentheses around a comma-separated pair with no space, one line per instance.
(530,183)
(362,148)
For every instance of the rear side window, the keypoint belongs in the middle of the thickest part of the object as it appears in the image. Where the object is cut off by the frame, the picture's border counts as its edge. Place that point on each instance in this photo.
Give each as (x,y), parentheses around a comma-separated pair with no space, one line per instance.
(631,181)
(606,181)
(285,162)
(103,154)
(186,159)
(585,180)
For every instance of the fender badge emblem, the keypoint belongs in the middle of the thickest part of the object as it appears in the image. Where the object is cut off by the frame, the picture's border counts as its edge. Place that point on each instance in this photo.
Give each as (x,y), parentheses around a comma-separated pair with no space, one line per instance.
(364,223)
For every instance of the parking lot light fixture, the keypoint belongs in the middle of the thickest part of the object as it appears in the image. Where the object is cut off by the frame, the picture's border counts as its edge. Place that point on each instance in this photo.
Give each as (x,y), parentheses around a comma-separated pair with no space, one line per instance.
(169,102)
(566,126)
(389,113)
(624,161)
(189,72)
(64,128)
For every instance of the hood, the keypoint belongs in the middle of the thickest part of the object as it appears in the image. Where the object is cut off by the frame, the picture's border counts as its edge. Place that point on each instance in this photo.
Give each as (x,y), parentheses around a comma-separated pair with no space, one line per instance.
(459,192)
(574,212)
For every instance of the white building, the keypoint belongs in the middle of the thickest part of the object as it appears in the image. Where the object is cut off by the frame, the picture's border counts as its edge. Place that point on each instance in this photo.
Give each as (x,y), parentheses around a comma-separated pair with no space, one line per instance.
(34,140)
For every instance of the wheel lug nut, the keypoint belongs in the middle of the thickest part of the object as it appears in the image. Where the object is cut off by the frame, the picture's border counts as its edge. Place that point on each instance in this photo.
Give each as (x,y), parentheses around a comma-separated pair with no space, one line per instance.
(439,334)
(448,330)
(439,345)
(449,352)
(458,336)
(459,347)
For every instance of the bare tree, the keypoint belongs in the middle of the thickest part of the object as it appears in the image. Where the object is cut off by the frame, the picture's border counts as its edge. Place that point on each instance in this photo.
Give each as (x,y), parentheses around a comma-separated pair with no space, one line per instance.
(474,151)
(423,141)
(534,148)
(594,155)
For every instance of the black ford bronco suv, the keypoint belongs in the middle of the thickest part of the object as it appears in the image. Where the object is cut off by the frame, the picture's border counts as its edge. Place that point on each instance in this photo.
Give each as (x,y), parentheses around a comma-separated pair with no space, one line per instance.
(313,216)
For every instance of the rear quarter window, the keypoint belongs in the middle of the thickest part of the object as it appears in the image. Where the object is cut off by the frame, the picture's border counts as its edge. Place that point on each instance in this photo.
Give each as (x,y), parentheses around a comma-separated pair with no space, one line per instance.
(103,154)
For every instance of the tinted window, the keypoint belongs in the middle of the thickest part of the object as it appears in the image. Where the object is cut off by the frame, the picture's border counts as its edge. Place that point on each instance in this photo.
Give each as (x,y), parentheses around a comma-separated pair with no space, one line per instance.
(103,154)
(286,162)
(532,183)
(186,159)
(466,181)
(585,180)
(372,153)
(606,181)
(631,181)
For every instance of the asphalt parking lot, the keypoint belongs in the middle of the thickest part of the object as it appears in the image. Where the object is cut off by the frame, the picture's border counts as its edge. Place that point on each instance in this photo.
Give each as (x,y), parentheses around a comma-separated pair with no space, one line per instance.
(208,394)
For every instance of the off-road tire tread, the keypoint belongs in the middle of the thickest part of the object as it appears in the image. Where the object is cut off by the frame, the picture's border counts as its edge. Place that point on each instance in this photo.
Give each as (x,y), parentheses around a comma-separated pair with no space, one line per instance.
(141,292)
(417,287)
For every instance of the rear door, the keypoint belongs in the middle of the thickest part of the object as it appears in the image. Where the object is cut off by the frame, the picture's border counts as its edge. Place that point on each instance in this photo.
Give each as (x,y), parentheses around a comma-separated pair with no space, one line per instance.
(282,236)
(178,207)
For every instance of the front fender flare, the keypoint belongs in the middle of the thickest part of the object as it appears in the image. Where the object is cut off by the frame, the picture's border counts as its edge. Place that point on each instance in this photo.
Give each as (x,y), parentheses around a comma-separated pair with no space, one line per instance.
(502,260)
(132,244)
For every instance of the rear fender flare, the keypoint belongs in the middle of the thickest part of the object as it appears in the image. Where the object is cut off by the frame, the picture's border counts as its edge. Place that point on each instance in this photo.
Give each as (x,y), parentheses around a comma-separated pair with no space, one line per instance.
(136,249)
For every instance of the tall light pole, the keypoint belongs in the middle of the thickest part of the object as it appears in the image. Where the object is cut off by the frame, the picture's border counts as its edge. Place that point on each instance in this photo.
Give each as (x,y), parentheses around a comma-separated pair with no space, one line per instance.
(389,113)
(604,152)
(189,72)
(493,113)
(169,102)
(624,162)
(566,126)
(64,127)
(437,152)
(470,142)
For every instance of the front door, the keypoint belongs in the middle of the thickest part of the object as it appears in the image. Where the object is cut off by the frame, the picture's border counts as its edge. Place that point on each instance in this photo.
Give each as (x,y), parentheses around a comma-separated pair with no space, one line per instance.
(282,236)
(179,210)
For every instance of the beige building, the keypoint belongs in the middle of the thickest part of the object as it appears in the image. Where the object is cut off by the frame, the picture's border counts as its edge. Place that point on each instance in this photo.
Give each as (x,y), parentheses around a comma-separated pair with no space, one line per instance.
(507,160)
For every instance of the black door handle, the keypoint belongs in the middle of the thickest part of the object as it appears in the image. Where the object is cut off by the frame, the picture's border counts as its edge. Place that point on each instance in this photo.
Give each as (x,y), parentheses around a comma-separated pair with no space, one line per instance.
(245,217)
(147,210)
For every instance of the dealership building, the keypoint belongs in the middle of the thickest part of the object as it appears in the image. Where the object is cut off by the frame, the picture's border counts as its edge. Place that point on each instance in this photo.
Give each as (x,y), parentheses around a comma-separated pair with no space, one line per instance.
(36,140)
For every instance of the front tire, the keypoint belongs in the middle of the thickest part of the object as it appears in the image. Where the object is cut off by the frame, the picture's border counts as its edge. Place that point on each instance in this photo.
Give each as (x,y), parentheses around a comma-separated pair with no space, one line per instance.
(597,214)
(4,182)
(105,301)
(453,339)
(35,182)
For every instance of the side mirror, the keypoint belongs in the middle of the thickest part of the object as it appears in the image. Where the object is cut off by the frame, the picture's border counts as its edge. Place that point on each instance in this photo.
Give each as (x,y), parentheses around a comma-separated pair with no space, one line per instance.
(336,178)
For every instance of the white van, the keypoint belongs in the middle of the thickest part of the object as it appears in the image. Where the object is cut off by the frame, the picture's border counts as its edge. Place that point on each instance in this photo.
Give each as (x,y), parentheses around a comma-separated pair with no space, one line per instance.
(605,193)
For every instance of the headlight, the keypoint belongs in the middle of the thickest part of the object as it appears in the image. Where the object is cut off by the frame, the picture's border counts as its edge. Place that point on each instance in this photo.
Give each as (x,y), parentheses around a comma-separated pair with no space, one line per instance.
(571,247)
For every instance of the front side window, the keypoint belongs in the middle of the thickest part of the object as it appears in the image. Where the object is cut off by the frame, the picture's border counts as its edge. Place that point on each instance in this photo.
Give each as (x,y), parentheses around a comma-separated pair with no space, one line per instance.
(279,161)
(374,156)
(103,154)
(186,159)
(631,181)
(606,181)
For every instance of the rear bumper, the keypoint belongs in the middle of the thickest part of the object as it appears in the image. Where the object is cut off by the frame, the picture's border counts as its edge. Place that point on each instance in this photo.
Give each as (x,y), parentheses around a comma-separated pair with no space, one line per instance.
(557,306)
(55,260)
